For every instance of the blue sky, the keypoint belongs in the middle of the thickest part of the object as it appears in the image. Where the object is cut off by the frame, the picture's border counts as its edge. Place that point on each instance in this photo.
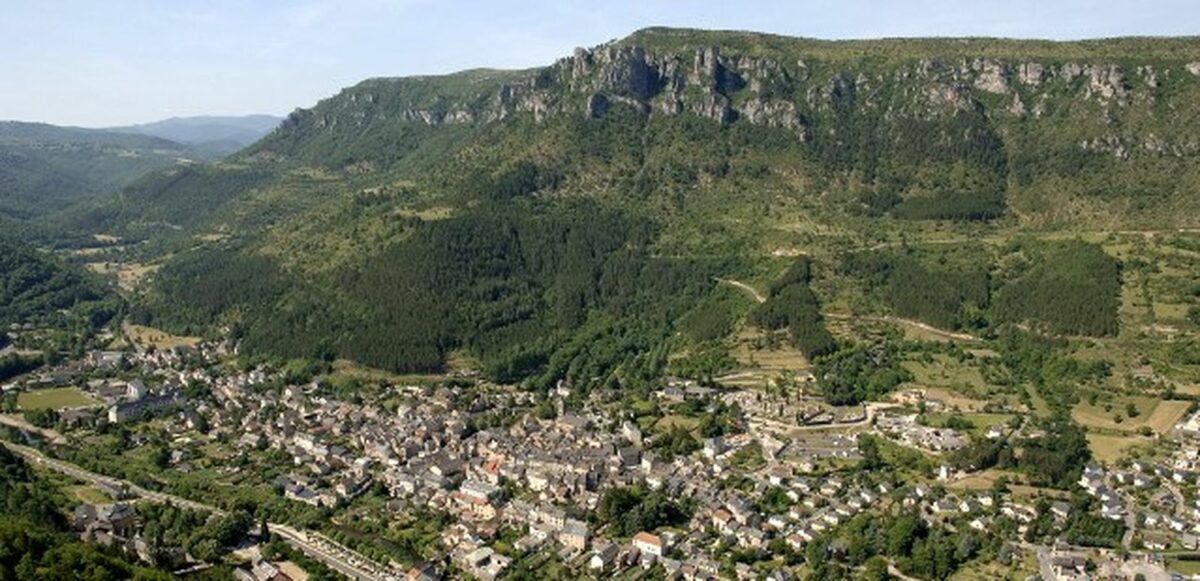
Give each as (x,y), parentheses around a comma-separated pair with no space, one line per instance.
(94,63)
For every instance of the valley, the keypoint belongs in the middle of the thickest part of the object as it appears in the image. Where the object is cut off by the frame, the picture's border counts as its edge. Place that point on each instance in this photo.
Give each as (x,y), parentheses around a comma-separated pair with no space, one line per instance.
(687,304)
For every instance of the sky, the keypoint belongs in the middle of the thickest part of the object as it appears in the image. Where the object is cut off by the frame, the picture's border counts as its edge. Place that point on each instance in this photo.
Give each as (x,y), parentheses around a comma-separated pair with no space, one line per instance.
(101,63)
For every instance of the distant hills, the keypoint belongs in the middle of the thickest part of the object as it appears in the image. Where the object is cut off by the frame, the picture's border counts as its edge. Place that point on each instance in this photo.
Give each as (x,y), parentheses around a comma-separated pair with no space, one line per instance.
(45,168)
(214,136)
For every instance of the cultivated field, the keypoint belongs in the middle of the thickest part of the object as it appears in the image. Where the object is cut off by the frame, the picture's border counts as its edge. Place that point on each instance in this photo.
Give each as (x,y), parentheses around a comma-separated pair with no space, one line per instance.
(149,336)
(1158,415)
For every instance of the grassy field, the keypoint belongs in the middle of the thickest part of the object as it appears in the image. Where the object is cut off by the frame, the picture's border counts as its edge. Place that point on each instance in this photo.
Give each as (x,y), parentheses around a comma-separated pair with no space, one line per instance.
(1184,567)
(54,398)
(982,480)
(948,374)
(149,336)
(1019,570)
(1040,407)
(1158,415)
(1111,449)
(783,358)
(981,421)
(89,494)
(672,421)
(986,479)
(954,400)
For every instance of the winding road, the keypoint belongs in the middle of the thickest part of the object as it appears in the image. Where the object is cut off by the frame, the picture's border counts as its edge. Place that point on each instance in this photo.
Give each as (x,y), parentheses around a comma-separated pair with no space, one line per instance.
(336,556)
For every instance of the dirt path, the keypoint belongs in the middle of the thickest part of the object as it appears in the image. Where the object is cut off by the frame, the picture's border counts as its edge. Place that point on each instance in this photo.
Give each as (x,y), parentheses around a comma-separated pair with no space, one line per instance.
(745,287)
(952,335)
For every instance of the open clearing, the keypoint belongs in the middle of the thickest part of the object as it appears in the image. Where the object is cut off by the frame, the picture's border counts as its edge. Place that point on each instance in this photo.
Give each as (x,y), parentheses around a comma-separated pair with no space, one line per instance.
(676,421)
(89,494)
(54,399)
(1110,449)
(149,336)
(432,214)
(953,400)
(1158,415)
(982,422)
(949,375)
(986,479)
(128,274)
(780,358)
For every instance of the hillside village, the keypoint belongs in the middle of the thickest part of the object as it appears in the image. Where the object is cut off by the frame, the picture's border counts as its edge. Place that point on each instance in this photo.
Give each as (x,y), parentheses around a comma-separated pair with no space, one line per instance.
(534,483)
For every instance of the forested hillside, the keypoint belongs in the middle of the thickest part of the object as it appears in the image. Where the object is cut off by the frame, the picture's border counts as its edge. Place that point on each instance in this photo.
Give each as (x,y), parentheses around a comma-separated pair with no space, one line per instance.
(37,288)
(567,221)
(561,289)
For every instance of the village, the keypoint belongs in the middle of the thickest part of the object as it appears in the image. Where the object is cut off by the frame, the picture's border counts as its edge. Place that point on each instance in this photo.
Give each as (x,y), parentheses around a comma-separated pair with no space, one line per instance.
(780,475)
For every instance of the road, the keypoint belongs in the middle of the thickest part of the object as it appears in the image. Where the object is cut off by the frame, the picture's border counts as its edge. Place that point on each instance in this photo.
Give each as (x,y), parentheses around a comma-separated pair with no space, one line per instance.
(336,556)
(21,424)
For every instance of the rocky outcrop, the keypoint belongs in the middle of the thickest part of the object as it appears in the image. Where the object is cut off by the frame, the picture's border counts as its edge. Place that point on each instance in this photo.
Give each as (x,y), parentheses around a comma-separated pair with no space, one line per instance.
(772,113)
(714,106)
(1194,68)
(626,71)
(1031,74)
(1107,81)
(991,76)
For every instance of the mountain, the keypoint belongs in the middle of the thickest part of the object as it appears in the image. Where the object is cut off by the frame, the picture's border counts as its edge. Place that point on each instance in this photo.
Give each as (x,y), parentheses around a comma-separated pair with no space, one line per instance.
(571,220)
(213,136)
(44,168)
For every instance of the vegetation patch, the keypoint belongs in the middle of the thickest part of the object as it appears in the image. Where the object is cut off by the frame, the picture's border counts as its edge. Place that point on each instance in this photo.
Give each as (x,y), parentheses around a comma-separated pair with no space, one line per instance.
(1069,287)
(791,304)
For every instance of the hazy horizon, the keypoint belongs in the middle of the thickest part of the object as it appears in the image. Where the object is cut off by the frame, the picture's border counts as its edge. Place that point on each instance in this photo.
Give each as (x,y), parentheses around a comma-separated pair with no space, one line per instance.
(137,61)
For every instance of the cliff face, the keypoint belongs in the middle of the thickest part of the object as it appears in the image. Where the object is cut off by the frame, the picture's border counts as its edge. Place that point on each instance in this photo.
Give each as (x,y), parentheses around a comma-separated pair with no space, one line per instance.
(783,90)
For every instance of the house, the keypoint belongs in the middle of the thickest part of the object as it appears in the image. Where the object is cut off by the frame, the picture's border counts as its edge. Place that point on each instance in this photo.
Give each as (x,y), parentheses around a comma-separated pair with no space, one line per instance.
(1068,566)
(603,556)
(714,447)
(118,519)
(485,563)
(648,544)
(421,572)
(574,535)
(1189,541)
(1060,509)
